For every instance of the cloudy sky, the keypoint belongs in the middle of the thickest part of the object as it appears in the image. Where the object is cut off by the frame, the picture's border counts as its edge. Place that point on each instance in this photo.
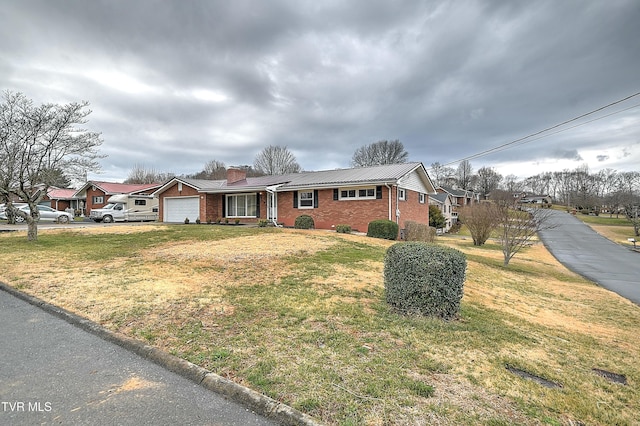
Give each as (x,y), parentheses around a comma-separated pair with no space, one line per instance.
(173,84)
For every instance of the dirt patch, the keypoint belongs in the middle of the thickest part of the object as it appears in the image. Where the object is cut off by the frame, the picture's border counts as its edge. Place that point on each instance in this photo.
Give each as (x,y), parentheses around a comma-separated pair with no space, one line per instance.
(526,375)
(612,377)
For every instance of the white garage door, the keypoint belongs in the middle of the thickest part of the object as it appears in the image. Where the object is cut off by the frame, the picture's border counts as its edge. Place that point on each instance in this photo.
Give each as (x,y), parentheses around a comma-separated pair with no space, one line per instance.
(177,209)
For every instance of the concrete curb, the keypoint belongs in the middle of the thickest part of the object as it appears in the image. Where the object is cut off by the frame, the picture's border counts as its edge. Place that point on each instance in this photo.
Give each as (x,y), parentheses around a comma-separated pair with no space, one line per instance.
(259,403)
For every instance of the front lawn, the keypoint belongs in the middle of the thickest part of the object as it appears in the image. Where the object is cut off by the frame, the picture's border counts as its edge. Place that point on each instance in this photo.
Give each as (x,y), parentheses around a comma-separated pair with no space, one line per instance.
(301,317)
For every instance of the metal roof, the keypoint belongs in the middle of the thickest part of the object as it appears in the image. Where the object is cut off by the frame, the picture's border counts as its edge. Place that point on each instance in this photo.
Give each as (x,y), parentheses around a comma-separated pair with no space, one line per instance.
(356,176)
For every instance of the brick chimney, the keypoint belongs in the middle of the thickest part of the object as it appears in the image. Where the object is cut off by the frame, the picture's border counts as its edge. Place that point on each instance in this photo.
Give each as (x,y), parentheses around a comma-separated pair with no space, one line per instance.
(235,175)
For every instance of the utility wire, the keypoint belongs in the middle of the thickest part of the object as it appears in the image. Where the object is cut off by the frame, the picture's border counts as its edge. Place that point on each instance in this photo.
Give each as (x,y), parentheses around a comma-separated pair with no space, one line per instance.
(502,148)
(528,138)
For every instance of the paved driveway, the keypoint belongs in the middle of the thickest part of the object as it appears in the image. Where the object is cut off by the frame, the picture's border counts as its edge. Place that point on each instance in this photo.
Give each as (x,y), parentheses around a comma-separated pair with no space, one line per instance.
(584,251)
(52,372)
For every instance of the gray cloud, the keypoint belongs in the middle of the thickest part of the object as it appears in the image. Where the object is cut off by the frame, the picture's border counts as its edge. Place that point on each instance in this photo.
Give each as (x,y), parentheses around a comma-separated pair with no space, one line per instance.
(174,84)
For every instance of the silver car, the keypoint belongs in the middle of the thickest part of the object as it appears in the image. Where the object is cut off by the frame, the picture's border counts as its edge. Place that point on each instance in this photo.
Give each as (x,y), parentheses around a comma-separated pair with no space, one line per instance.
(46,214)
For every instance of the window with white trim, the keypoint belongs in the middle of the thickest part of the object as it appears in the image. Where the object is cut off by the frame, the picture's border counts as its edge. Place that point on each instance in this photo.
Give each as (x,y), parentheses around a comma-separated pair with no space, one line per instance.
(241,205)
(368,193)
(305,199)
(423,198)
(98,199)
(402,194)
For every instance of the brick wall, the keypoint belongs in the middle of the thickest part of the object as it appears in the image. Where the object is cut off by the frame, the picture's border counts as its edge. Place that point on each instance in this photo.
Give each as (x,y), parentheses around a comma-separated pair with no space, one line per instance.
(89,204)
(356,213)
(411,209)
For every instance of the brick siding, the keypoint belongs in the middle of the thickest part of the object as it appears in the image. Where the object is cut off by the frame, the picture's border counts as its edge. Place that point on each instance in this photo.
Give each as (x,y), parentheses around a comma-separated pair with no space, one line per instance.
(355,213)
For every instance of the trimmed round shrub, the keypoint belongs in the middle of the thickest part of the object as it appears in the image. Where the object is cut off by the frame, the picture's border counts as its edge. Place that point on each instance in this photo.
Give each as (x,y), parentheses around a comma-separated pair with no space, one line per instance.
(304,222)
(424,279)
(383,228)
(343,229)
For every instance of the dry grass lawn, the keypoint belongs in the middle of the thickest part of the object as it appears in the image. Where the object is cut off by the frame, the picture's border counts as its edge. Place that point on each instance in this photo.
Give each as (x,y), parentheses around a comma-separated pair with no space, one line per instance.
(300,315)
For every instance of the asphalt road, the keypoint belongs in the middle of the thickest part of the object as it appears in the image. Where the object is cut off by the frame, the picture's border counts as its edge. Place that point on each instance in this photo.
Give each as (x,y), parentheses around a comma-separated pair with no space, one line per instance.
(584,251)
(52,372)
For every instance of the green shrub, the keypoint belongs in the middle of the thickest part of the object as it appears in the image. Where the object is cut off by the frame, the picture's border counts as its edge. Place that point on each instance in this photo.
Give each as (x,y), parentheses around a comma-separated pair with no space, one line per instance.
(415,231)
(262,223)
(186,220)
(424,279)
(198,221)
(343,229)
(304,222)
(383,228)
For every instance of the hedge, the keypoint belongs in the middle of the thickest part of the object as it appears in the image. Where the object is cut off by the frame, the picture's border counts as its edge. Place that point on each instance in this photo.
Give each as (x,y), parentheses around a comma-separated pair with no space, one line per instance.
(383,228)
(424,279)
(304,222)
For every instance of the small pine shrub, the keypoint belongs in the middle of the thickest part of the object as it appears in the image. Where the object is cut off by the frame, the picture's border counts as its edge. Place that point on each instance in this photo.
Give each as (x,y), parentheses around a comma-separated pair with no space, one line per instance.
(198,221)
(415,231)
(343,229)
(383,228)
(304,222)
(186,220)
(424,279)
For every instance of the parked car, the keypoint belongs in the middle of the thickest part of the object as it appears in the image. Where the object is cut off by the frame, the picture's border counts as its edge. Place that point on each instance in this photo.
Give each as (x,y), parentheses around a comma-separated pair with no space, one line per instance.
(3,209)
(46,214)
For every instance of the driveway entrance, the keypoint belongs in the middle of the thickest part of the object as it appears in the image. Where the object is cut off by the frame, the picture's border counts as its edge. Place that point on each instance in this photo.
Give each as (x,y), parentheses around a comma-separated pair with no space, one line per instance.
(585,252)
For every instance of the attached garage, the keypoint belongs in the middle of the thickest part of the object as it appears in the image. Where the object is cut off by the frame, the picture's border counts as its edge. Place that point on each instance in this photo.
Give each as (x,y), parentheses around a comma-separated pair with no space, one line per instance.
(178,209)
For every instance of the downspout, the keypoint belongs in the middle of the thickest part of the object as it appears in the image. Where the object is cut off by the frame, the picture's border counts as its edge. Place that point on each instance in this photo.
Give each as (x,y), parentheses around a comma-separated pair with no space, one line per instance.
(389,188)
(398,205)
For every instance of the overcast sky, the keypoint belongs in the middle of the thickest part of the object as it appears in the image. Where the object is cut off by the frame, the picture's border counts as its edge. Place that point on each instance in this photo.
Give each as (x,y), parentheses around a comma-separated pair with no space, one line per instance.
(173,84)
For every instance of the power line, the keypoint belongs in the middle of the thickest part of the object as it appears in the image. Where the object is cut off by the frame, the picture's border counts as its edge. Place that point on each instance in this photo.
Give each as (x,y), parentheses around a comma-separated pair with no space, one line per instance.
(527,139)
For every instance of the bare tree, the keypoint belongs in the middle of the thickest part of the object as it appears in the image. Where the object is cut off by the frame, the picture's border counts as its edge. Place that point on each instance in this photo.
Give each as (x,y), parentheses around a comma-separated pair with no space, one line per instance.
(276,160)
(141,174)
(629,187)
(34,140)
(380,153)
(215,170)
(441,175)
(512,185)
(464,174)
(488,180)
(481,219)
(516,228)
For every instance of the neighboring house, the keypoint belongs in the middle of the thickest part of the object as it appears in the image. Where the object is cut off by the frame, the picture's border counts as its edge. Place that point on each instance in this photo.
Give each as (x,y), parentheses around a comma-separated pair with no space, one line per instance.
(97,193)
(64,199)
(444,202)
(57,198)
(460,197)
(354,197)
